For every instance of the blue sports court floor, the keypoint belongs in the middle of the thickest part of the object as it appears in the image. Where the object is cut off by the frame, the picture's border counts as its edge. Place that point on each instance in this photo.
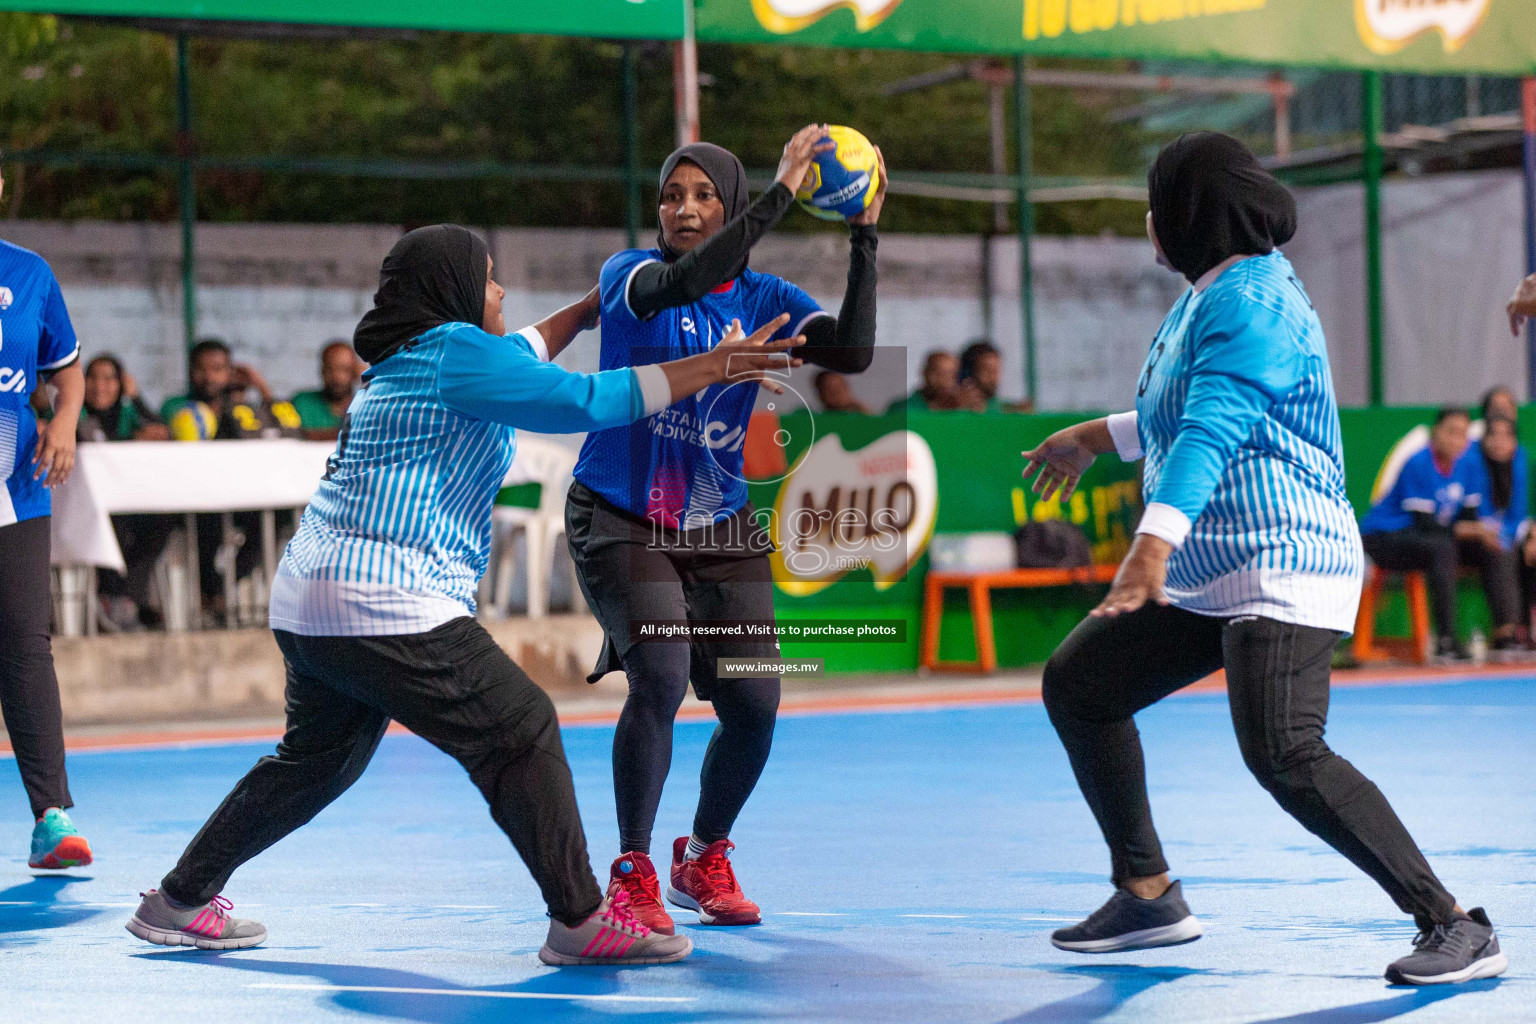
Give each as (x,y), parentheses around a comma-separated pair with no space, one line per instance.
(910,864)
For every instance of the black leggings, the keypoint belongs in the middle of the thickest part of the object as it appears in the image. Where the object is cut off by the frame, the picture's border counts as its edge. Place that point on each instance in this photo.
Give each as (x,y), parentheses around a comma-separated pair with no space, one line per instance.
(1438,555)
(1277,682)
(642,743)
(29,691)
(452,687)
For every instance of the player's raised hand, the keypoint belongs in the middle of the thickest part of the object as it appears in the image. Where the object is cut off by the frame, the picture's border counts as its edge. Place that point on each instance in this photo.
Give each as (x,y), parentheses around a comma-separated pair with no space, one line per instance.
(752,356)
(1522,305)
(871,214)
(1061,460)
(799,151)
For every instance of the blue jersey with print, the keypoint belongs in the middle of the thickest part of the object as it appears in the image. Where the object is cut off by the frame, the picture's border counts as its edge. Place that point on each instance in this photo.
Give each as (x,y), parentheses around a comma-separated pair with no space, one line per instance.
(684,464)
(1421,487)
(35,338)
(1237,417)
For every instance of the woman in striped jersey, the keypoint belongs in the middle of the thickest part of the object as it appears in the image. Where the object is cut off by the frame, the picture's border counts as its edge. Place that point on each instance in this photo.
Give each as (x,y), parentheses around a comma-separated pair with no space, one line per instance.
(1247,558)
(373,603)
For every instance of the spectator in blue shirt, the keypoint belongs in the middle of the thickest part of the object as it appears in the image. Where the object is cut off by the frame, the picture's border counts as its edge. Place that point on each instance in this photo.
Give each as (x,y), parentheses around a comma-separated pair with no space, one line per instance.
(1430,522)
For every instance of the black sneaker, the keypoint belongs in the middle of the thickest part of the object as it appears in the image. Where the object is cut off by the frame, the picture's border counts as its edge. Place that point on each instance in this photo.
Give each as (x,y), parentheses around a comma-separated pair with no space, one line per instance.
(1448,651)
(1130,922)
(1508,650)
(1464,950)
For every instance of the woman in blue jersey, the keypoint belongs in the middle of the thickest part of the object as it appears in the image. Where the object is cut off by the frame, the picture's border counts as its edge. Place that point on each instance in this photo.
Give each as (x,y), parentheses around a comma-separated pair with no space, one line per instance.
(1247,558)
(373,602)
(37,344)
(658,521)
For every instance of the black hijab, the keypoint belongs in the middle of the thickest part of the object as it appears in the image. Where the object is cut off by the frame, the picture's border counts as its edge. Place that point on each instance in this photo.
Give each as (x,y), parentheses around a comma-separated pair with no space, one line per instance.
(728,176)
(1501,475)
(432,276)
(1211,200)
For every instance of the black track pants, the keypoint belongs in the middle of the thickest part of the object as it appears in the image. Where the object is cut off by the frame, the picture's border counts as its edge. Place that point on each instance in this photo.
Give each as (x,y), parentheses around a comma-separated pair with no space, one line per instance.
(29,691)
(1277,683)
(1439,555)
(454,688)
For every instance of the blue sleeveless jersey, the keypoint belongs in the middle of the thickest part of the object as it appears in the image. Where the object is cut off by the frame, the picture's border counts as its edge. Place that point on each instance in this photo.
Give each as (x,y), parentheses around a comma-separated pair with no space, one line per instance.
(682,466)
(35,338)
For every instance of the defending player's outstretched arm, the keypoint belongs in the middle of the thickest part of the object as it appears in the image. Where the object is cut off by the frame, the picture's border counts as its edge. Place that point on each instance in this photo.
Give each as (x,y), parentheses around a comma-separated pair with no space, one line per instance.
(507,380)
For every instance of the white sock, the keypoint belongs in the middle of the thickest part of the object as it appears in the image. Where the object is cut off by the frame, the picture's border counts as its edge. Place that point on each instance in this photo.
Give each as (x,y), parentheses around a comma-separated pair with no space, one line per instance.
(696,848)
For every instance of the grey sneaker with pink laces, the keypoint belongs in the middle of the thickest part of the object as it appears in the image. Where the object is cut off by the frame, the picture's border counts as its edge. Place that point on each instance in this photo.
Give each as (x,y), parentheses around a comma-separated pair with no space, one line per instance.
(611,935)
(206,926)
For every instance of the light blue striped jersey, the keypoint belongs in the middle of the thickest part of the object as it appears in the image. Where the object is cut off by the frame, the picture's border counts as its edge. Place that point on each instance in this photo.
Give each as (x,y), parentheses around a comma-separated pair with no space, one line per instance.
(1237,416)
(398,533)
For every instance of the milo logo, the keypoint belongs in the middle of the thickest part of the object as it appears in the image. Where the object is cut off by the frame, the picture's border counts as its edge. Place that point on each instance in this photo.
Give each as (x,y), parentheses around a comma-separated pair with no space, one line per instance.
(785,16)
(873,508)
(1387,26)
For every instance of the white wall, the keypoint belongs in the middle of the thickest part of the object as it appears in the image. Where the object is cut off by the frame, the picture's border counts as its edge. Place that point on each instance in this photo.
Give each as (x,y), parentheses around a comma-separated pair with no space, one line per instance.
(278,293)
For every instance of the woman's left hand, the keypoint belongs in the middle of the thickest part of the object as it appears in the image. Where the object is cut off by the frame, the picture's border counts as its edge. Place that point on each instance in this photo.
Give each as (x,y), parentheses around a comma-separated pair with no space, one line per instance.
(1140,578)
(54,456)
(871,214)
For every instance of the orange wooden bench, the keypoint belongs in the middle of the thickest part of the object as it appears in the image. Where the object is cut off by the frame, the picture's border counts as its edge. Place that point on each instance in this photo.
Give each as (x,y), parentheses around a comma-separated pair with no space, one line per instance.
(980,586)
(1367,646)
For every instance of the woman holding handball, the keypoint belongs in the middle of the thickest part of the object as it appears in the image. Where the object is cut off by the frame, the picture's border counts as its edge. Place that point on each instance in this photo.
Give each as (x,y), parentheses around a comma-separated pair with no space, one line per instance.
(658,522)
(1247,558)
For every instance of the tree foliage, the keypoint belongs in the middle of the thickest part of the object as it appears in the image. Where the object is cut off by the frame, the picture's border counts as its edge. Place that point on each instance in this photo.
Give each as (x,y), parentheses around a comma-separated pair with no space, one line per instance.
(72,85)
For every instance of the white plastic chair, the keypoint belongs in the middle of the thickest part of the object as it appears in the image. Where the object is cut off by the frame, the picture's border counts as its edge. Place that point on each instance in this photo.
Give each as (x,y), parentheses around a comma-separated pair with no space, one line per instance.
(550,465)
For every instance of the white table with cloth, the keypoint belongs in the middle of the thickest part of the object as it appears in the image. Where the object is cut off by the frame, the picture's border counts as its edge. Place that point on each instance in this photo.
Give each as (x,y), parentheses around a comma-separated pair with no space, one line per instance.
(213,476)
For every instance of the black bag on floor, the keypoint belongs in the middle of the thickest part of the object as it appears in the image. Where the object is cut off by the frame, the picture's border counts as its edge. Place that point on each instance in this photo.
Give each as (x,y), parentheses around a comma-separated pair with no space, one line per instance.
(1051,544)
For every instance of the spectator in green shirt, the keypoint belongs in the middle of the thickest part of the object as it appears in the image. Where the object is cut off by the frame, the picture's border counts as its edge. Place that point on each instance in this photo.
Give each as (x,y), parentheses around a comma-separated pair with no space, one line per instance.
(981,370)
(320,412)
(939,392)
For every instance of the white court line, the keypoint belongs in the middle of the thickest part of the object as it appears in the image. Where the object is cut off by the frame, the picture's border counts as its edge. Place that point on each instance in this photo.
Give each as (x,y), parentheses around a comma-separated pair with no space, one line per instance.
(59,903)
(1067,919)
(947,917)
(390,989)
(803,913)
(465,906)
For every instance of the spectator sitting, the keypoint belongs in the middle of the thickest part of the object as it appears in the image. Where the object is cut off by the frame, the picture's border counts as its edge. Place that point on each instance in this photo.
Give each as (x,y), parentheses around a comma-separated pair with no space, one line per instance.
(1499,403)
(113,410)
(320,412)
(939,392)
(1429,522)
(835,394)
(215,404)
(1505,504)
(981,370)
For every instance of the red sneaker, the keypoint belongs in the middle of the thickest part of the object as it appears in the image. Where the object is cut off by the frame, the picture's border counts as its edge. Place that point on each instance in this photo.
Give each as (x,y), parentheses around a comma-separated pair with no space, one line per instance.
(709,886)
(636,875)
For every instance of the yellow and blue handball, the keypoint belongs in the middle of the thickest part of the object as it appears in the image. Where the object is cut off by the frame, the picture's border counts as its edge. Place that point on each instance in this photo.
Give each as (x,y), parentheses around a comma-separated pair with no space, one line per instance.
(842,181)
(194,421)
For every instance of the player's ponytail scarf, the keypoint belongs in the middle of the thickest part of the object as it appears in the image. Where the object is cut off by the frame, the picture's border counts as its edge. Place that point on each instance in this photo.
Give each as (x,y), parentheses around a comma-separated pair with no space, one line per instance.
(727,174)
(1210,200)
(432,276)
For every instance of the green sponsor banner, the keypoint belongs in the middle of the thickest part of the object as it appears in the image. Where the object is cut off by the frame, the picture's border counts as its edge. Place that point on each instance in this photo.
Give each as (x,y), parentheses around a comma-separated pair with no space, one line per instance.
(842,469)
(649,19)
(1431,36)
(976,465)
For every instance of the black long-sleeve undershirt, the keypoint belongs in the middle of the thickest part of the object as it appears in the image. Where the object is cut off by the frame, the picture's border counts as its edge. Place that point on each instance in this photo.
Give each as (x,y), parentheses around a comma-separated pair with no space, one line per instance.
(843,344)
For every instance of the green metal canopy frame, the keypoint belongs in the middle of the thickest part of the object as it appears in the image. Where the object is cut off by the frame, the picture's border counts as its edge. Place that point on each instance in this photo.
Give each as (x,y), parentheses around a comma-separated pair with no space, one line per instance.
(1428,36)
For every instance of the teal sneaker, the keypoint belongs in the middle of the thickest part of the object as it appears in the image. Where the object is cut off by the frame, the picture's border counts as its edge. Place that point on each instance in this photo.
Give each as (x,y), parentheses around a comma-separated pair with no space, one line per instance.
(56,843)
